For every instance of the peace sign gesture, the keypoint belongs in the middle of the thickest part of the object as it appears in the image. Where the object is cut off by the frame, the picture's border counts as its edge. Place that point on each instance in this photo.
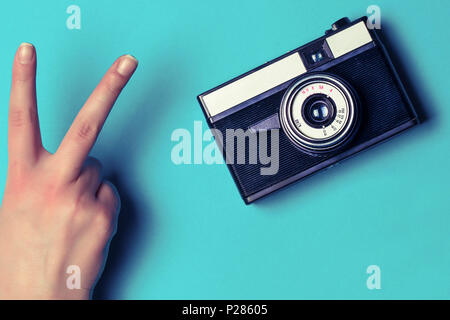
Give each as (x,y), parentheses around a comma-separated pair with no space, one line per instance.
(56,210)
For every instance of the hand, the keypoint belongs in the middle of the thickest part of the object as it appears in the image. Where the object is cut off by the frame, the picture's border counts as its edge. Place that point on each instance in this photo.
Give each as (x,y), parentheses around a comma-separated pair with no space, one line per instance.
(56,210)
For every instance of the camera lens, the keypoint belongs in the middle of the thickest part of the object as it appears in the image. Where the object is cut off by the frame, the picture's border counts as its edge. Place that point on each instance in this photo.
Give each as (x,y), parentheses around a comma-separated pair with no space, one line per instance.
(319,113)
(318,110)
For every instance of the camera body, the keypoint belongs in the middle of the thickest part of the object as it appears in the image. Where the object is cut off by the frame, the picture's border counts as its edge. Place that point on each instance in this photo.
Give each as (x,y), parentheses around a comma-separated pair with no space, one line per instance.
(315,105)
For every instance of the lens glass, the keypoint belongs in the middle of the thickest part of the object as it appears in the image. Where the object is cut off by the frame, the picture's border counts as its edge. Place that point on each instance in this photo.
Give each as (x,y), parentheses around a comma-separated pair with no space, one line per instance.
(318,110)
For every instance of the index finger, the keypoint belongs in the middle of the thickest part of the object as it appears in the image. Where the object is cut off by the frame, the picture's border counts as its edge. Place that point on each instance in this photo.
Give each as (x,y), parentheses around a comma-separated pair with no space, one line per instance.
(24,138)
(83,132)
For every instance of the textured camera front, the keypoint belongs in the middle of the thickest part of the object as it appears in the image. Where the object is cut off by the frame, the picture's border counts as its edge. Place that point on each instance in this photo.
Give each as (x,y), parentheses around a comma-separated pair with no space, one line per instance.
(383,109)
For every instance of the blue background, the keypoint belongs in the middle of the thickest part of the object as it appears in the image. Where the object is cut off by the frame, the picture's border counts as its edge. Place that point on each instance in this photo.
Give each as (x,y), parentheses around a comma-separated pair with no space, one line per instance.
(184,232)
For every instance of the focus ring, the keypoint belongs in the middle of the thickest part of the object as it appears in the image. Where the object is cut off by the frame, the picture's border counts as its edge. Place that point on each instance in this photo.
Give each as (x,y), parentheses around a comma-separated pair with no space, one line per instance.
(333,134)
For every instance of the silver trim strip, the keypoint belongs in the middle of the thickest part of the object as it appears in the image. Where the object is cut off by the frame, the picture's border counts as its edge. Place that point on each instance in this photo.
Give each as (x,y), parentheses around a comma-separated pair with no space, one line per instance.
(253,84)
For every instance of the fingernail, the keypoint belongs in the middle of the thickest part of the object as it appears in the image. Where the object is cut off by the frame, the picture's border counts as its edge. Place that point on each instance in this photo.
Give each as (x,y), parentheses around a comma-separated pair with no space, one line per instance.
(26,53)
(127,65)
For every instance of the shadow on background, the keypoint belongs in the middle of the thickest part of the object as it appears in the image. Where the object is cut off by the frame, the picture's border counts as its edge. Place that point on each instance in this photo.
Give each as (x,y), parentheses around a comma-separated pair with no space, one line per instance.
(423,104)
(136,219)
(408,72)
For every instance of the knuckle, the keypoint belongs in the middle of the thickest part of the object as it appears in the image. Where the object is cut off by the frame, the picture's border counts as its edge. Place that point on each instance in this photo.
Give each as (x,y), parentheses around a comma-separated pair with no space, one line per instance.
(112,84)
(16,168)
(113,199)
(58,173)
(104,220)
(19,116)
(18,176)
(86,131)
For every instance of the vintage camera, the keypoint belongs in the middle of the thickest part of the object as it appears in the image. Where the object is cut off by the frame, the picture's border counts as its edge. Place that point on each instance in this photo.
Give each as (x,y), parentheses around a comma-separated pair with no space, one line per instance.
(324,101)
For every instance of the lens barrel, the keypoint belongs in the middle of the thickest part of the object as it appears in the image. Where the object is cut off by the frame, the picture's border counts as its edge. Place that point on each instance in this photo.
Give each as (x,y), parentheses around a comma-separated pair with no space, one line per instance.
(320,113)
